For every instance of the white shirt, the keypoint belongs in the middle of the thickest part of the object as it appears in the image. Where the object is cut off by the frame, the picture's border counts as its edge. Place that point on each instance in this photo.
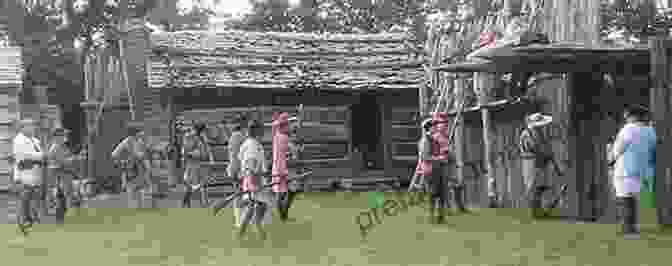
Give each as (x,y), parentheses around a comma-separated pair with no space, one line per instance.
(252,149)
(30,148)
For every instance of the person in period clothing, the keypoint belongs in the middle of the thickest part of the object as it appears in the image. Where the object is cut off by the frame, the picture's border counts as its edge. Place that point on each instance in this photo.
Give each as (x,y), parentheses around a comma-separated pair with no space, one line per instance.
(255,205)
(441,170)
(134,154)
(238,136)
(28,167)
(633,153)
(536,157)
(61,162)
(195,150)
(280,172)
(423,170)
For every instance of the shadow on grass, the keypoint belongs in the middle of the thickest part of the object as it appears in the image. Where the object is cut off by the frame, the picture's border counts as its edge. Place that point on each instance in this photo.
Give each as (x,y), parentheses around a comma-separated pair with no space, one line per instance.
(86,219)
(658,230)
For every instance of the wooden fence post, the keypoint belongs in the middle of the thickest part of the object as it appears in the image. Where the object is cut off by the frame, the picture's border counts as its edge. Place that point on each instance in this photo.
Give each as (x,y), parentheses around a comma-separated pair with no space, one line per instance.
(661,100)
(459,93)
(484,84)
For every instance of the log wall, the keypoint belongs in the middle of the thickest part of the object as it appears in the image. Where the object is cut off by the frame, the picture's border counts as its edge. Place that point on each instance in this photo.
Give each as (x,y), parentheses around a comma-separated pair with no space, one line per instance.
(11,71)
(325,134)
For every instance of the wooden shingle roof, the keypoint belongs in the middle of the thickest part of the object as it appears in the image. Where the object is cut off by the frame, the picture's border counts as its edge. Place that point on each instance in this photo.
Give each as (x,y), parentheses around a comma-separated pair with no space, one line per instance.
(270,60)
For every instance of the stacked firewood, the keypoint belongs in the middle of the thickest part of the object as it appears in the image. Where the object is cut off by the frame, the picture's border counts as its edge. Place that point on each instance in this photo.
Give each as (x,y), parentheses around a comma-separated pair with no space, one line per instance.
(255,59)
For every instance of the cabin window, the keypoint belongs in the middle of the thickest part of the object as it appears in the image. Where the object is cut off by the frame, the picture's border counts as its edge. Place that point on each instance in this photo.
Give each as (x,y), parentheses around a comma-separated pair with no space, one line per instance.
(366,128)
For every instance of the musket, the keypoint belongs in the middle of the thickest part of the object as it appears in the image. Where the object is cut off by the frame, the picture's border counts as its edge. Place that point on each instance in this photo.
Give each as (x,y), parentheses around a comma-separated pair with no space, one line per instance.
(300,140)
(220,205)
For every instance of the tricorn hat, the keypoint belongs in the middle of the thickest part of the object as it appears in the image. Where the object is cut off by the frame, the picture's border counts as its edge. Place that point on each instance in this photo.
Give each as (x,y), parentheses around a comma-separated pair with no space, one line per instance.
(538,119)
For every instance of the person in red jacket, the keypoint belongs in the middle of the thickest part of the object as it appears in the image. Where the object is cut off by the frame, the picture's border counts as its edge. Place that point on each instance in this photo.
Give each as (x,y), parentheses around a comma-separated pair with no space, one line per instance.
(441,168)
(280,171)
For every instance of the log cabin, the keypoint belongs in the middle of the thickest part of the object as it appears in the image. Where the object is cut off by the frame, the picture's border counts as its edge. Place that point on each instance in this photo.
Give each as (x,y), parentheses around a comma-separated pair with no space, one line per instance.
(359,92)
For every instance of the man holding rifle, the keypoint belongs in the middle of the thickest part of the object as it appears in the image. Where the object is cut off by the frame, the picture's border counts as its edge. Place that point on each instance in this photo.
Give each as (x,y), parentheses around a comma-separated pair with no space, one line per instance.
(280,171)
(536,156)
(255,205)
(441,172)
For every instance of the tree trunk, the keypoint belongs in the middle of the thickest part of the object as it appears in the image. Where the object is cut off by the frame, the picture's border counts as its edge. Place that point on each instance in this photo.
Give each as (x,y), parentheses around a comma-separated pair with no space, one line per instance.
(660,102)
(484,84)
(309,20)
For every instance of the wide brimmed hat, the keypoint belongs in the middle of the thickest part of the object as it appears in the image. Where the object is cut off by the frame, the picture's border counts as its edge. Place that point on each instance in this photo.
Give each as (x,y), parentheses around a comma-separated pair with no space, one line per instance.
(538,119)
(255,124)
(426,124)
(199,126)
(637,110)
(27,122)
(59,131)
(282,119)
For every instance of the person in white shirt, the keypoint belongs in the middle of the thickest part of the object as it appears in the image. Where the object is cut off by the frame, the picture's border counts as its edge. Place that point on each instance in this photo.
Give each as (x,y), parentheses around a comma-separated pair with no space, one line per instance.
(29,164)
(633,155)
(236,139)
(255,205)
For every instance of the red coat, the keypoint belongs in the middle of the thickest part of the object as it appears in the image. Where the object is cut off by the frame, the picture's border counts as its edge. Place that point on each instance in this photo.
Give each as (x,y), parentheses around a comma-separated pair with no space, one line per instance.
(440,136)
(279,170)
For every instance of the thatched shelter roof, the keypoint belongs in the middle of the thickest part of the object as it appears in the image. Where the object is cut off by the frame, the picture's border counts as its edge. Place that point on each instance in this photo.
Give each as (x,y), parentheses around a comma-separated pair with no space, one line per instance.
(558,58)
(270,60)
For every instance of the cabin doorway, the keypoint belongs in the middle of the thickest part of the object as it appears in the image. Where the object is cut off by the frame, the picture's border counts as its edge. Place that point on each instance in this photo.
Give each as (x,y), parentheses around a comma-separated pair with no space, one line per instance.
(366,131)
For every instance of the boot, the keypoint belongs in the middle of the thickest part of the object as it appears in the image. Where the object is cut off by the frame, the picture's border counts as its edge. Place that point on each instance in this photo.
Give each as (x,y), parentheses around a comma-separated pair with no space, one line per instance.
(441,212)
(459,198)
(630,217)
(535,203)
(558,199)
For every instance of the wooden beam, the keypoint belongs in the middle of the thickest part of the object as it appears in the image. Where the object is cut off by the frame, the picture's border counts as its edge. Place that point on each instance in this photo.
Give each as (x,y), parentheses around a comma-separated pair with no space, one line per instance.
(274,66)
(460,92)
(386,130)
(174,172)
(484,84)
(640,65)
(661,100)
(294,54)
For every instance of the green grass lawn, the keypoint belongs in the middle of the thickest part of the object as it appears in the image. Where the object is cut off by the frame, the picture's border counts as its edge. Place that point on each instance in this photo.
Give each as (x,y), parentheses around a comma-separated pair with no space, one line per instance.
(325,234)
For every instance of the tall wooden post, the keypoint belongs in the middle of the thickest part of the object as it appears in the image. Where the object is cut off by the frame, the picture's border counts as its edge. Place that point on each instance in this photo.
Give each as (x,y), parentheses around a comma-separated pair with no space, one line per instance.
(40,93)
(661,100)
(174,176)
(385,132)
(576,21)
(459,92)
(484,84)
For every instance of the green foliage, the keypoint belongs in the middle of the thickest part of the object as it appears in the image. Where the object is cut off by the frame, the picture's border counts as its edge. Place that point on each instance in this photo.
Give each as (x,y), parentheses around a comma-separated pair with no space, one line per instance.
(636,20)
(172,18)
(335,16)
